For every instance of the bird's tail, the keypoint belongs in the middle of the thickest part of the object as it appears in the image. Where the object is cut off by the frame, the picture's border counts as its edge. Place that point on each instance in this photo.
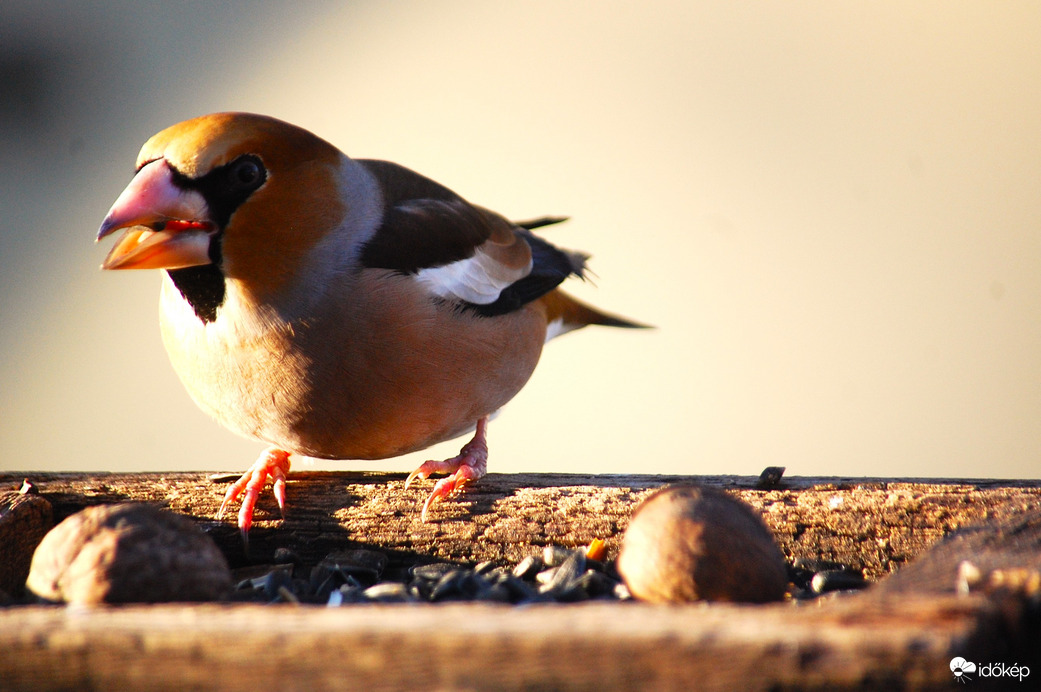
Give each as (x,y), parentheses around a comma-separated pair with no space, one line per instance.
(566,313)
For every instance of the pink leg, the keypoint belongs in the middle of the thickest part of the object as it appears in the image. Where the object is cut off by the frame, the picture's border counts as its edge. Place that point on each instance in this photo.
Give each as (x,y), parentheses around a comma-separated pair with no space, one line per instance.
(273,463)
(470,465)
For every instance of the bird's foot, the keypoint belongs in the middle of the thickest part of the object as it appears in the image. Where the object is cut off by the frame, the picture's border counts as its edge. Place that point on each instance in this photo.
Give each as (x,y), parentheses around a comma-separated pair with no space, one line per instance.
(274,464)
(469,465)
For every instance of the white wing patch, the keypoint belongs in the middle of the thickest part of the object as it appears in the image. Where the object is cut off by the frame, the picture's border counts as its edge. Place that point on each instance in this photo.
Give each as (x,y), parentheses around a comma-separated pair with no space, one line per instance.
(479,279)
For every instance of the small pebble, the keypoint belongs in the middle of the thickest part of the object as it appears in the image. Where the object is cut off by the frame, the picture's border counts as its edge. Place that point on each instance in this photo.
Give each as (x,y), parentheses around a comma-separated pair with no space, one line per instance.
(128,553)
(699,543)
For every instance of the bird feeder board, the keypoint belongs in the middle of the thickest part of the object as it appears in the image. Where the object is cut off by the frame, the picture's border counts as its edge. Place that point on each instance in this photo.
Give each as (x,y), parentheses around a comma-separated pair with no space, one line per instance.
(954,567)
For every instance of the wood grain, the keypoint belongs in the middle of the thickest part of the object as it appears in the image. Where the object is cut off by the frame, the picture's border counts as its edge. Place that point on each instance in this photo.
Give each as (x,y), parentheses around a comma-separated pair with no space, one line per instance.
(885,638)
(872,524)
(904,643)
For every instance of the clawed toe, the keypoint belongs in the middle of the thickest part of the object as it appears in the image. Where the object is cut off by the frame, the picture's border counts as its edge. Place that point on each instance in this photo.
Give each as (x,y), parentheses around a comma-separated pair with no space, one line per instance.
(274,464)
(470,465)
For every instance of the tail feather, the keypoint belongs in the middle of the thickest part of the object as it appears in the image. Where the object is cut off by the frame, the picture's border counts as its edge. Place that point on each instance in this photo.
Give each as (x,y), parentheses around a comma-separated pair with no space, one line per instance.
(565,313)
(532,224)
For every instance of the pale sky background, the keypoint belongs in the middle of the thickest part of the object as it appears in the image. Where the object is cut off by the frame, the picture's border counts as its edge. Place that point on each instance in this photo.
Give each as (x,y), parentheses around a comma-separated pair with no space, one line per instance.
(831,211)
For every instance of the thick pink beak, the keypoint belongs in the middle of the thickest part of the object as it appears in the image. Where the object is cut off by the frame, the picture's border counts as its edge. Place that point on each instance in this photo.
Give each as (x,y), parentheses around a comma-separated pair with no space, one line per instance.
(168,227)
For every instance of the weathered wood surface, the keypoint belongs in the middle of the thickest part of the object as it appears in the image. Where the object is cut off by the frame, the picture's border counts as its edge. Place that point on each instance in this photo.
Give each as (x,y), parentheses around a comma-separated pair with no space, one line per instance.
(870,524)
(883,639)
(905,643)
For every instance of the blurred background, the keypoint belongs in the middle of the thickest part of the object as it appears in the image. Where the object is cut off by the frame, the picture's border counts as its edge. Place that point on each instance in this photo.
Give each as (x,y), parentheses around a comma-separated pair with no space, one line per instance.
(831,211)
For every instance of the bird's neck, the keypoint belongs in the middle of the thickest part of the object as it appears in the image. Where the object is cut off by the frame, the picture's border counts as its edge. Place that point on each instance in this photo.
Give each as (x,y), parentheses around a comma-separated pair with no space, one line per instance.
(203,287)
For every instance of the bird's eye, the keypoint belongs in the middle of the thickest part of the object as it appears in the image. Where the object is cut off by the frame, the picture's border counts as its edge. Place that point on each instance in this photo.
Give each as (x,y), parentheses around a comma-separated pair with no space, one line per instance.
(246,173)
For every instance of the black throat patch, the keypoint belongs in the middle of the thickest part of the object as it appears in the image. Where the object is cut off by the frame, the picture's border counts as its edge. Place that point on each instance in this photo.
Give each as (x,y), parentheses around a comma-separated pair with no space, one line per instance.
(203,288)
(224,188)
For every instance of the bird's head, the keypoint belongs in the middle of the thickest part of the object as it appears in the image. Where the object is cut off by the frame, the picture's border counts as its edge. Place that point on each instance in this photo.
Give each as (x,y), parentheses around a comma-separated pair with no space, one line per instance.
(243,194)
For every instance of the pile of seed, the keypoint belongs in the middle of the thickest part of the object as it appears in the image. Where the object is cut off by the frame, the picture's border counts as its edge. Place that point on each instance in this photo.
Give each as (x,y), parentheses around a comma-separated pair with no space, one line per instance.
(559,574)
(362,576)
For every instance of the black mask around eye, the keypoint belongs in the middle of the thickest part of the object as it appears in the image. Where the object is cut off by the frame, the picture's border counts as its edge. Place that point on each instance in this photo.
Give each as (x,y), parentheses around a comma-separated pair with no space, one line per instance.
(226,187)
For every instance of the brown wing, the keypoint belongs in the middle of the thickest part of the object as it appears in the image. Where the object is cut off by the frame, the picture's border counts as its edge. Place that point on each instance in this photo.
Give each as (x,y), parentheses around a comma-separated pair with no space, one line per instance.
(458,251)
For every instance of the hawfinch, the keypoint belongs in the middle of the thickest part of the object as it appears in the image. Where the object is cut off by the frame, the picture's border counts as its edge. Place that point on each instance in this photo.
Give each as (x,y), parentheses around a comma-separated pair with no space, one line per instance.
(334,307)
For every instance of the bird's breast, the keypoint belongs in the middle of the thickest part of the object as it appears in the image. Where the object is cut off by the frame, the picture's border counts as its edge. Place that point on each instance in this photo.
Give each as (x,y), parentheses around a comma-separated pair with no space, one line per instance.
(378,369)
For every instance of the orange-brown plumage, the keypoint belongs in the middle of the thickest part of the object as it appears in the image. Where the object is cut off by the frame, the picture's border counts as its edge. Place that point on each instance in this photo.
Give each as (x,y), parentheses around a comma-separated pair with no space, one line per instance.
(335,307)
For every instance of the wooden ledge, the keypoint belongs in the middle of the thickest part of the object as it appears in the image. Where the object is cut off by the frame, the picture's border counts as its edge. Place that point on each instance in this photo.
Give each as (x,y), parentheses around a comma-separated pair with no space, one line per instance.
(885,638)
(868,523)
(848,643)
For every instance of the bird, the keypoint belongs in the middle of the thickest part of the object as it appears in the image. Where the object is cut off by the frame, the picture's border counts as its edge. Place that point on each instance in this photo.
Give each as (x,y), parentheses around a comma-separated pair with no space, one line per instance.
(337,308)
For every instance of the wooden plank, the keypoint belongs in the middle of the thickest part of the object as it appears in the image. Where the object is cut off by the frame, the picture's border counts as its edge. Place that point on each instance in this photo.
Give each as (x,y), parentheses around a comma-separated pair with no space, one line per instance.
(904,643)
(870,524)
(887,638)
